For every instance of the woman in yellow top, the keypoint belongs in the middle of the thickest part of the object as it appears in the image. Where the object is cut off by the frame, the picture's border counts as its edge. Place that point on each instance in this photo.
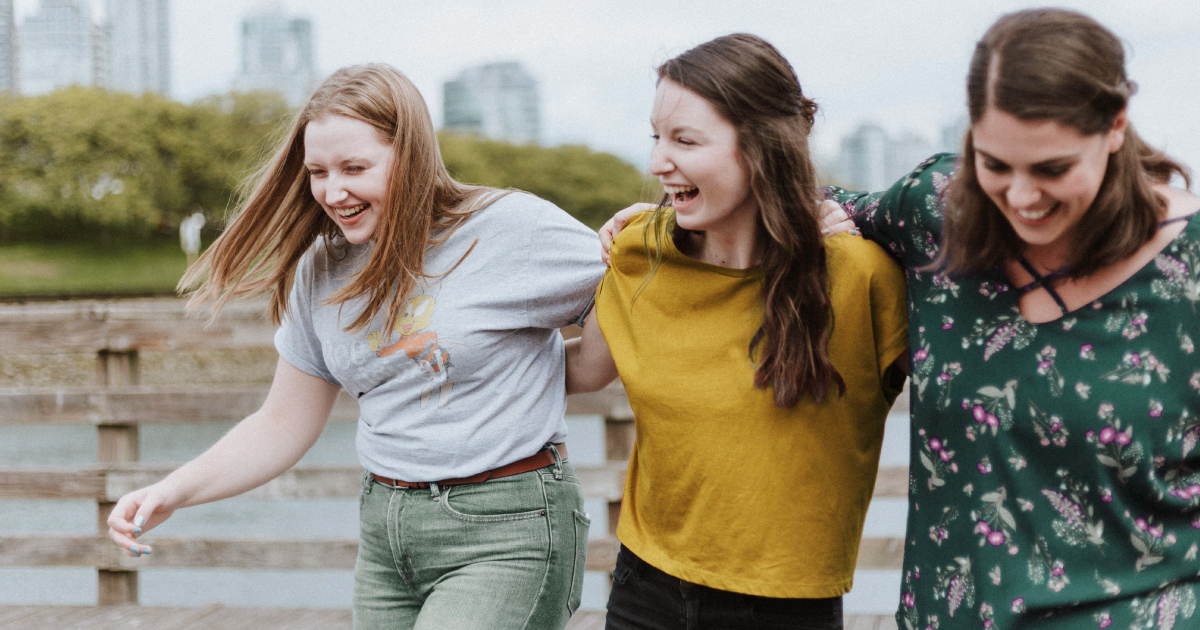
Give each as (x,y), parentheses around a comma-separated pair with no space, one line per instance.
(759,360)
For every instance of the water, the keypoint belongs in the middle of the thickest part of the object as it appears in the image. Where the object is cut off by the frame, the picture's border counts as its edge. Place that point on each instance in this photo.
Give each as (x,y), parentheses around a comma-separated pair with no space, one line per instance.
(875,592)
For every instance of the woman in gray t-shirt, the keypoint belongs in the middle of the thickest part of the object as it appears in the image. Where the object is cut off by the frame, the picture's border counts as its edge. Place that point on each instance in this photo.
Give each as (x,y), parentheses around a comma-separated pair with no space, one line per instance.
(436,305)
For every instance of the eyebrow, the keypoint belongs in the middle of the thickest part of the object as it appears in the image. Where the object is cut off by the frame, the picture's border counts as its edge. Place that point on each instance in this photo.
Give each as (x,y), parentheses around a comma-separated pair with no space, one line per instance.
(1055,161)
(355,158)
(682,128)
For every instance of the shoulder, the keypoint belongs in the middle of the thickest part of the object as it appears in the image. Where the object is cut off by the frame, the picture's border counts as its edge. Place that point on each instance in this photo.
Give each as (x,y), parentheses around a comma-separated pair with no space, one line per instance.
(520,209)
(859,260)
(632,238)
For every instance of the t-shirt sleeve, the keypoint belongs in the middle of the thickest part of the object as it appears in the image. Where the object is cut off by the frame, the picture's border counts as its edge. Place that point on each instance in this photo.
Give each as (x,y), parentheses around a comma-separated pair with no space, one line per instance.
(905,219)
(296,340)
(562,268)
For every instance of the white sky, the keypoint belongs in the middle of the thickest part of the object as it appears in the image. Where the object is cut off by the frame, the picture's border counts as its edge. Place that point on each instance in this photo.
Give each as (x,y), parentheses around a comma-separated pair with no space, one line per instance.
(900,63)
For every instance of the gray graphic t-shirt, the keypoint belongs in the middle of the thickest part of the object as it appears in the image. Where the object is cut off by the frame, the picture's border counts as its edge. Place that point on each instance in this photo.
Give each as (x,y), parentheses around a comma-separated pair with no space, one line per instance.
(471,377)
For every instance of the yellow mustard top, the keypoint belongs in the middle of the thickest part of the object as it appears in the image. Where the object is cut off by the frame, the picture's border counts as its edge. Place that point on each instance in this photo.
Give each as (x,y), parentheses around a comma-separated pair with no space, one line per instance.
(724,488)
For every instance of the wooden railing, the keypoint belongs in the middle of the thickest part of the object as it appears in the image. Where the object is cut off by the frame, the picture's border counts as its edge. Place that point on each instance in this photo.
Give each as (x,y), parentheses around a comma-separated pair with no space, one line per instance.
(116,403)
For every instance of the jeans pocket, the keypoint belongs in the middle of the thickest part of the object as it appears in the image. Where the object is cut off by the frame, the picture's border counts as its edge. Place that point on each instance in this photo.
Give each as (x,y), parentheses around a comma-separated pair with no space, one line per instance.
(515,498)
(623,568)
(582,525)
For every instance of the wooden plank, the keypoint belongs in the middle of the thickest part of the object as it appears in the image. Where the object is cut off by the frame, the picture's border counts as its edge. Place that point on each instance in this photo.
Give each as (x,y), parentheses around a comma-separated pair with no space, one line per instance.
(99,551)
(891,482)
(52,484)
(587,620)
(158,324)
(172,404)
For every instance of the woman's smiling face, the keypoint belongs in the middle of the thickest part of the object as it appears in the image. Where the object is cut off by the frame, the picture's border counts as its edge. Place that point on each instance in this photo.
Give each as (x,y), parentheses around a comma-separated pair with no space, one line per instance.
(696,158)
(1041,174)
(348,165)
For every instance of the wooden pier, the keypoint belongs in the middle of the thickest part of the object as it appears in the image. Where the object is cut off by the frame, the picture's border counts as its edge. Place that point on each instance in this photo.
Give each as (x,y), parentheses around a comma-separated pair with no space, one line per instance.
(121,397)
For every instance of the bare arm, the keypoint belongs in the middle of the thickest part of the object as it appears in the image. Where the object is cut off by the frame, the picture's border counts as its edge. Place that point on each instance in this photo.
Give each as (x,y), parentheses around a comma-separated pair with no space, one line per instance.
(260,448)
(590,365)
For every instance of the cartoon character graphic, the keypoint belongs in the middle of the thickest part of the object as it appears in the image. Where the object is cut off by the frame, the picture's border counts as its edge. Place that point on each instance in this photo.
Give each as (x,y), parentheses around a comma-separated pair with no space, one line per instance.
(420,345)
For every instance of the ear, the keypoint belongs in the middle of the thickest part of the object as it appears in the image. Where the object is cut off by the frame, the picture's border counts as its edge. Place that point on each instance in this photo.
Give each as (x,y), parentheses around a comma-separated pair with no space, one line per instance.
(1116,135)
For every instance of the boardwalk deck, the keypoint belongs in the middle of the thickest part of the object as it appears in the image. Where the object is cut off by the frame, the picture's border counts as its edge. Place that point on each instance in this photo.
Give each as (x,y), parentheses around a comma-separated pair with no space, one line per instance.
(222,618)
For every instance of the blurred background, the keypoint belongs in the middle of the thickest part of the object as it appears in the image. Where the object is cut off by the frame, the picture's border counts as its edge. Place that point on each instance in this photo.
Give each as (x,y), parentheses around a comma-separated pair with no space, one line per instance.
(119,119)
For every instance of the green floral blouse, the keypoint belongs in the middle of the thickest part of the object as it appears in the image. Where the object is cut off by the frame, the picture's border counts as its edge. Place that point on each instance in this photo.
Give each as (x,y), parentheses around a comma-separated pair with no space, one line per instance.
(1055,476)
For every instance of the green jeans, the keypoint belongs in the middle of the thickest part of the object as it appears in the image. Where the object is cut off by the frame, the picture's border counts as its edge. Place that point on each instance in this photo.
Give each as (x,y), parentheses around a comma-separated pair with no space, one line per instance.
(507,553)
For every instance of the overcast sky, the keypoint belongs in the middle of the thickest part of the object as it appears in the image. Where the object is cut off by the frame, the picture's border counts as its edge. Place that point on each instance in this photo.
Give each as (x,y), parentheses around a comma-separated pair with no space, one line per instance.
(900,63)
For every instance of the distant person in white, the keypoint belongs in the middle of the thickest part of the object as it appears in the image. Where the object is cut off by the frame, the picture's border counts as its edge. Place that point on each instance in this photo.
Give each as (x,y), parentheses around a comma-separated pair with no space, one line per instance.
(436,305)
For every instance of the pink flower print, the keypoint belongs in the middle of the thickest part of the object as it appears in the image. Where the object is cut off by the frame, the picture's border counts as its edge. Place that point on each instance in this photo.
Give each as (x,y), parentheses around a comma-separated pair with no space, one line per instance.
(917,572)
(1087,352)
(966,404)
(1013,550)
(1134,358)
(1083,389)
(920,431)
(908,600)
(1105,411)
(992,420)
(982,528)
(943,378)
(1194,490)
(996,539)
(1043,366)
(980,414)
(1170,539)
(1156,409)
(1106,495)
(1195,381)
(1124,437)
(1107,434)
(935,444)
(947,322)
(1057,568)
(1089,435)
(1018,604)
(945,455)
(984,467)
(1055,423)
(1105,620)
(920,355)
(1097,305)
(953,467)
(1156,531)
(1141,524)
(1140,319)
(1196,523)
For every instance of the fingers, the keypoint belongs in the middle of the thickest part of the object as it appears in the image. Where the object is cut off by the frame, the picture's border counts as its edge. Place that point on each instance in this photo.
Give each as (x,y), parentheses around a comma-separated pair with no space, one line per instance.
(129,518)
(831,213)
(613,226)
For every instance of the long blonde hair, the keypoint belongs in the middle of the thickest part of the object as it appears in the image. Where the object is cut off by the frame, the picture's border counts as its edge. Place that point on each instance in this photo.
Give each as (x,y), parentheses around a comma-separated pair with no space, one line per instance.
(279,219)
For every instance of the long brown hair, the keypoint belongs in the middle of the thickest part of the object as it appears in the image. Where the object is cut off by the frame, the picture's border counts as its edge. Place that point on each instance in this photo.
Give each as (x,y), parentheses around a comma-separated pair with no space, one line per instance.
(1055,64)
(279,219)
(755,88)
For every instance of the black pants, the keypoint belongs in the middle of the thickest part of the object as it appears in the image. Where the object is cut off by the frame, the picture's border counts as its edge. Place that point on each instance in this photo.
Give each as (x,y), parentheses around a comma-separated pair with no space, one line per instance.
(644,598)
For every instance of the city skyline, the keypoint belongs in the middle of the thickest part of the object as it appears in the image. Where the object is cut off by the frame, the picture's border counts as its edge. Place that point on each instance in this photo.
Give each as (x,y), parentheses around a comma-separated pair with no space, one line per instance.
(900,65)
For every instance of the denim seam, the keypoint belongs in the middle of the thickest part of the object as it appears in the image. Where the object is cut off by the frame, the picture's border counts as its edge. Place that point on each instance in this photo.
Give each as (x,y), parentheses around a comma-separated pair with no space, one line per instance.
(395,530)
(549,552)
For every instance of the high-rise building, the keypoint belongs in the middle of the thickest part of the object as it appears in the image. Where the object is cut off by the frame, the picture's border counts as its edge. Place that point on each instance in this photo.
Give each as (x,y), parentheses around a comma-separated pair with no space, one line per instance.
(138,52)
(872,160)
(496,100)
(277,55)
(863,162)
(8,48)
(58,47)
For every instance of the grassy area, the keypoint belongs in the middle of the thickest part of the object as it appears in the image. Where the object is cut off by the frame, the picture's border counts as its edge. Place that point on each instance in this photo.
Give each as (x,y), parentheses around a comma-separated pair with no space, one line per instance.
(91,268)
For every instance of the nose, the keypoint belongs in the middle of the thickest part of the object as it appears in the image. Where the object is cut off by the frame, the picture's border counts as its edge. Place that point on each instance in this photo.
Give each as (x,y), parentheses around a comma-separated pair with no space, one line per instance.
(660,162)
(1022,191)
(335,193)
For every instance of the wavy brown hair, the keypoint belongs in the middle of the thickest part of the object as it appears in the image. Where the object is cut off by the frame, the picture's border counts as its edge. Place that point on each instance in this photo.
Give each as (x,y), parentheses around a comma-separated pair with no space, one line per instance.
(1060,65)
(753,86)
(279,219)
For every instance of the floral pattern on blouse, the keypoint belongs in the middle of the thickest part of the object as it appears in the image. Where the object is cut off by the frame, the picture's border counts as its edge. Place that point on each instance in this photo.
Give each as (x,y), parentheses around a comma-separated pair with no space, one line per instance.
(1055,476)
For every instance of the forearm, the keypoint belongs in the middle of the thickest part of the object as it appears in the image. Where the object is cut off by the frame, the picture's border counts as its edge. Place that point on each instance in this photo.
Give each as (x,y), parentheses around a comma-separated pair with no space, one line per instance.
(257,450)
(590,365)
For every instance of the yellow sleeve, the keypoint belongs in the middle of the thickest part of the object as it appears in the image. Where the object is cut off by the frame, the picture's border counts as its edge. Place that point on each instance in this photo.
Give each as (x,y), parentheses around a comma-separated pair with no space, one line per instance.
(889,309)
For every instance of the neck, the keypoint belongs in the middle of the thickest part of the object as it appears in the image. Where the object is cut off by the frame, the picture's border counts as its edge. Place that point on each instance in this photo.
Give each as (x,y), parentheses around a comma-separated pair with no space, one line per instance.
(737,246)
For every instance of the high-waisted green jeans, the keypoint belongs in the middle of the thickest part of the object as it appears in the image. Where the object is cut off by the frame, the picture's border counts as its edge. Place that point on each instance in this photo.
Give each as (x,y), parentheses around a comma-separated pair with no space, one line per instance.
(507,553)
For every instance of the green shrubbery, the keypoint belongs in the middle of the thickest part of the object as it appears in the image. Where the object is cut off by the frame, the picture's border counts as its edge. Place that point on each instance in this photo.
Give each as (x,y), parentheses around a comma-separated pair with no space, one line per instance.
(80,163)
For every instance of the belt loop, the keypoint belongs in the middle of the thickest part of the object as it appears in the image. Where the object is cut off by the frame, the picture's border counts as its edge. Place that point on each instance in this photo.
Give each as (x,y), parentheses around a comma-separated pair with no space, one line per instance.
(433,489)
(558,473)
(367,481)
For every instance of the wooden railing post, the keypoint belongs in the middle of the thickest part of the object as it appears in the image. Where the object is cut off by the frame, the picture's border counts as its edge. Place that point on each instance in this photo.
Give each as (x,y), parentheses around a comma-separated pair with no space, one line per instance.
(116,444)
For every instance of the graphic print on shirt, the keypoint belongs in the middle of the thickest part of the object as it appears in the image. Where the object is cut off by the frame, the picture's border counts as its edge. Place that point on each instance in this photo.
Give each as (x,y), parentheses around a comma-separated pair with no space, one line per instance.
(420,345)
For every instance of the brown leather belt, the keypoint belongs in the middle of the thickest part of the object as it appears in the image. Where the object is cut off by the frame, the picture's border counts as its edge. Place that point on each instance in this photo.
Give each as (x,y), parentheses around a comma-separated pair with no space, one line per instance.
(540,459)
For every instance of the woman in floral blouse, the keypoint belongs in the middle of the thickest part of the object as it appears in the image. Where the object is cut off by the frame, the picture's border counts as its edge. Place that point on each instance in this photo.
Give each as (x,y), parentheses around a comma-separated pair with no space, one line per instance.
(1054,284)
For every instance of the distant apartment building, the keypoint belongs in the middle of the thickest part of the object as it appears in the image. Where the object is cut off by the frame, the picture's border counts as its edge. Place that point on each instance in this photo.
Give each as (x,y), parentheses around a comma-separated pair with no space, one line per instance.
(871,159)
(9,71)
(277,55)
(58,47)
(497,100)
(137,57)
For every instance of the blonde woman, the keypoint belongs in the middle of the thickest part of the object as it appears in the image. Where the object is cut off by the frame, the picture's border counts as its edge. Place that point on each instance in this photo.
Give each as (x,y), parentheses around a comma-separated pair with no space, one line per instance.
(436,306)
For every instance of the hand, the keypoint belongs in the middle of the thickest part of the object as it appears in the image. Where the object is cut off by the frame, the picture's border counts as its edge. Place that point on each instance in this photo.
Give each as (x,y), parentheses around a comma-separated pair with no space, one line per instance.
(834,220)
(137,513)
(613,227)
